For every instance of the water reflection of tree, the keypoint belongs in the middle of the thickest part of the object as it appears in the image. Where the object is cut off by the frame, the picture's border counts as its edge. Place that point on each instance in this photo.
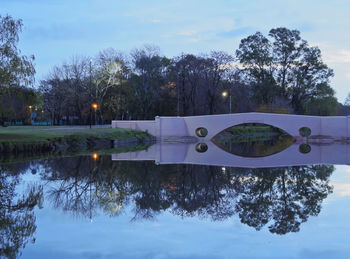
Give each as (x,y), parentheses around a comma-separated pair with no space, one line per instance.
(204,191)
(73,179)
(286,197)
(281,198)
(82,184)
(17,219)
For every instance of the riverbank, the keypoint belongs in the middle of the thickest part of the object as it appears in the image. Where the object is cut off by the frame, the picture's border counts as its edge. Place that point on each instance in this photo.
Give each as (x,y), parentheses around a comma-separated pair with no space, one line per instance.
(41,139)
(10,158)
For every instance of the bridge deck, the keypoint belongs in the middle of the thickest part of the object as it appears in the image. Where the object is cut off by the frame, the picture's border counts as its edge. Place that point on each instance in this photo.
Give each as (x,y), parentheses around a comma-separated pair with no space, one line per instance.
(337,127)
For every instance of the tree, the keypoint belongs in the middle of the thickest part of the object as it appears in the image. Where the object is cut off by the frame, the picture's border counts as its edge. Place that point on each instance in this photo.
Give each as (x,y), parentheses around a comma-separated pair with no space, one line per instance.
(14,106)
(327,106)
(15,69)
(347,100)
(254,53)
(285,67)
(310,81)
(150,73)
(200,80)
(186,71)
(110,71)
(66,91)
(218,65)
(54,97)
(287,47)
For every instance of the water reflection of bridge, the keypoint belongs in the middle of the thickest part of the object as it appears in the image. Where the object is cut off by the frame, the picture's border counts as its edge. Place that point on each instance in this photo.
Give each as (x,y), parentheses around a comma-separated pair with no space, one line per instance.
(180,153)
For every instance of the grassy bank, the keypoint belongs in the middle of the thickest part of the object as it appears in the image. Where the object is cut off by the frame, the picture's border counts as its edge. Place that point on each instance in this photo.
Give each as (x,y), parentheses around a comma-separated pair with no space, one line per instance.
(29,139)
(250,129)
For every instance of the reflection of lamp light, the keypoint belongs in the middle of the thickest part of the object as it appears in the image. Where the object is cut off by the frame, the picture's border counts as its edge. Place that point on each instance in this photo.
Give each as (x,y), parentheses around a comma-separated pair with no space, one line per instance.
(95,156)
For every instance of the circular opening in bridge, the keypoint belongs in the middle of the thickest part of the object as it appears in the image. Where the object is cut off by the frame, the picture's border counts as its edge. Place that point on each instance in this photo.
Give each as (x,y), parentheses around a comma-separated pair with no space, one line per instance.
(305,131)
(201,147)
(304,148)
(201,132)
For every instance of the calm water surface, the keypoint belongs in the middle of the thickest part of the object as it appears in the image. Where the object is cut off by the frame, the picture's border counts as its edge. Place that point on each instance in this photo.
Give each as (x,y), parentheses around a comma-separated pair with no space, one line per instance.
(85,207)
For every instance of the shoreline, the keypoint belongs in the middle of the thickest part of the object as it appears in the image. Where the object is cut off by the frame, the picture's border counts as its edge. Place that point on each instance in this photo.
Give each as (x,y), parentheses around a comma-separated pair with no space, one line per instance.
(46,140)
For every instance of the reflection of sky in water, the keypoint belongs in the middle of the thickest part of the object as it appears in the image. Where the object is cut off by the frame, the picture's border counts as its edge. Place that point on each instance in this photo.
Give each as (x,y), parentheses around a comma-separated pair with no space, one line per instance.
(59,235)
(341,181)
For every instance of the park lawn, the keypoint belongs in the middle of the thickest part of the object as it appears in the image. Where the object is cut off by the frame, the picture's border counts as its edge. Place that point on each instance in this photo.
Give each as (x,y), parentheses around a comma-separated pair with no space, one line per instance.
(40,134)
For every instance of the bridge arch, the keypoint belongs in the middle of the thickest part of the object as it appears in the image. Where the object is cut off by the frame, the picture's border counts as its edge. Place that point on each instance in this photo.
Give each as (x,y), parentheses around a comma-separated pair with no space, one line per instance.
(291,124)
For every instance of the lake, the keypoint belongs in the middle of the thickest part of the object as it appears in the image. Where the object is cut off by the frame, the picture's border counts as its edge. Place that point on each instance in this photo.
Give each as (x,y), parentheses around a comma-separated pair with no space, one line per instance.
(148,205)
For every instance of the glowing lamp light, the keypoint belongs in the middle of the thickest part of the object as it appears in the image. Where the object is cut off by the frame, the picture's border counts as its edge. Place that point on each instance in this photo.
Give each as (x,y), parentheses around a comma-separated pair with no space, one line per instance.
(95,156)
(94,105)
(224,94)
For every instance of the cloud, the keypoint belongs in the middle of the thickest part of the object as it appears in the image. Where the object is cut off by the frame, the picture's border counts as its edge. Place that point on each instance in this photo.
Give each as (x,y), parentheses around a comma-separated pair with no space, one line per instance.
(187,32)
(155,21)
(194,40)
(324,254)
(57,32)
(236,32)
(341,56)
(306,27)
(342,189)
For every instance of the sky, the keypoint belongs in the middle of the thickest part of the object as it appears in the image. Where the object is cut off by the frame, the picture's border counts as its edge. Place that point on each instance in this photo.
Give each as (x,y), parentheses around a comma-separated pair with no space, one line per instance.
(56,30)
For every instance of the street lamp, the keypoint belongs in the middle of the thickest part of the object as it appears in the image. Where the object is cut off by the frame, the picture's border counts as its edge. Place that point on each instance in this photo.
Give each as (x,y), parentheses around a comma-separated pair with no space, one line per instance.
(95,106)
(178,93)
(30,111)
(225,94)
(90,85)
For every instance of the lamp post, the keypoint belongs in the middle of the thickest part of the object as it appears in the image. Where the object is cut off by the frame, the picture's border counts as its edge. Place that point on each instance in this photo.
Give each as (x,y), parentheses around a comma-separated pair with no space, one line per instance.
(90,85)
(178,93)
(95,106)
(225,94)
(30,112)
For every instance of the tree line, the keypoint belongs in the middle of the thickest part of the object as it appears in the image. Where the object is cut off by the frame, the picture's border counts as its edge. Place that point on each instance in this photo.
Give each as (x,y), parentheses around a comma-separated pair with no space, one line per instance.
(279,72)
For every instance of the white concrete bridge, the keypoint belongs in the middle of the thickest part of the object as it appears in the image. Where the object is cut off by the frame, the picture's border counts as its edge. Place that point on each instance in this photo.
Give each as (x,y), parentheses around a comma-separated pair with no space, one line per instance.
(338,127)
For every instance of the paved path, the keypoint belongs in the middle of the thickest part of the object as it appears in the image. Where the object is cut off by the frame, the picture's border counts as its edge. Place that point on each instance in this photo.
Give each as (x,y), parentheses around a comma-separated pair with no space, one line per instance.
(81,127)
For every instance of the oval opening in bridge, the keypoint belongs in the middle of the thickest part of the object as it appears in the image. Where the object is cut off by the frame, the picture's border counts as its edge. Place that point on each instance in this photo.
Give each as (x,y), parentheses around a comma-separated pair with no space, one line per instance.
(201,132)
(304,148)
(253,140)
(201,147)
(305,131)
